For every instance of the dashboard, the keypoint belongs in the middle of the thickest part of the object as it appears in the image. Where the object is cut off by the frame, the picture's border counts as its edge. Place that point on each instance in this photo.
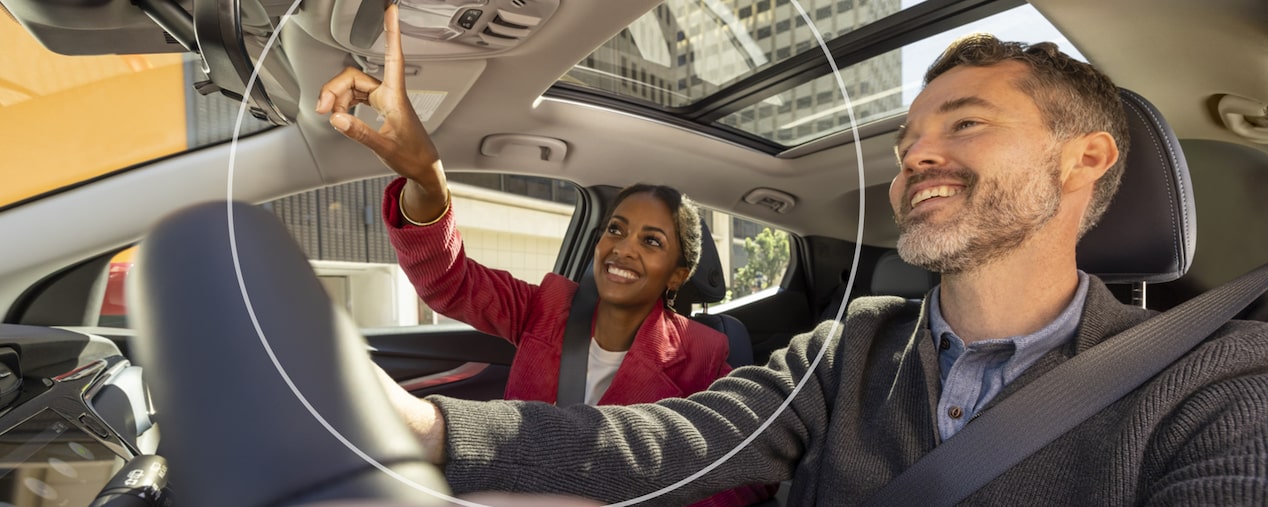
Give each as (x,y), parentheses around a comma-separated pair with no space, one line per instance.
(73,413)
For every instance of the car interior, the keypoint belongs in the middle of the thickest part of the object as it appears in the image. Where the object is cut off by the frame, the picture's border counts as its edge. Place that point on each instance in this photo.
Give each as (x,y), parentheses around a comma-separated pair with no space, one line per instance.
(232,345)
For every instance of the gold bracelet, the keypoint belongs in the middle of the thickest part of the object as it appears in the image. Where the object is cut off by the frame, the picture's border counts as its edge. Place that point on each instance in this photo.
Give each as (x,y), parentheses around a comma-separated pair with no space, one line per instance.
(400,202)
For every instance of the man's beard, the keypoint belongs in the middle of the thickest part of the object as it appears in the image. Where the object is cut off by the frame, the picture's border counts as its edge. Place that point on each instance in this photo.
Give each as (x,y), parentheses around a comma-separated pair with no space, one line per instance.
(997,216)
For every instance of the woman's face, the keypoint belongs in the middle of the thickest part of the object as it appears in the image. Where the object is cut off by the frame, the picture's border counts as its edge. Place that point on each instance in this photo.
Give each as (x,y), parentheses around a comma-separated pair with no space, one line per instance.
(637,256)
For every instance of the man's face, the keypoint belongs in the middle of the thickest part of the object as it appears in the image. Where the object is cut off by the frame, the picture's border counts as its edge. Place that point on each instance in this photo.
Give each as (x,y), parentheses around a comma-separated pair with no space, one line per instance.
(979,170)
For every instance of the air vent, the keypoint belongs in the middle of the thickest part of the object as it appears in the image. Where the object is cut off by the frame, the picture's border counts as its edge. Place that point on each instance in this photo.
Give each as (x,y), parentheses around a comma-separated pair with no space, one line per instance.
(517,3)
(167,37)
(499,21)
(518,18)
(489,32)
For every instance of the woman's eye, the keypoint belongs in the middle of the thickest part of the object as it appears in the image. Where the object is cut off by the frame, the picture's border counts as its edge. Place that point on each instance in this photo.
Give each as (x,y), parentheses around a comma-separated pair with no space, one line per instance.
(654,241)
(614,229)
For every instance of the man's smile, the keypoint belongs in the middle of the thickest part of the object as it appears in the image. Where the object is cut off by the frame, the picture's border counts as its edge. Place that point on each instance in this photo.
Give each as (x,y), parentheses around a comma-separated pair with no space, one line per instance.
(936,191)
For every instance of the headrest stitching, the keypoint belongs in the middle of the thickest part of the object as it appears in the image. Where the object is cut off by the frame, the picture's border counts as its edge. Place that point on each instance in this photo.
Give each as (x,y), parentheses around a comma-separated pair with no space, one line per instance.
(1179,181)
(1153,137)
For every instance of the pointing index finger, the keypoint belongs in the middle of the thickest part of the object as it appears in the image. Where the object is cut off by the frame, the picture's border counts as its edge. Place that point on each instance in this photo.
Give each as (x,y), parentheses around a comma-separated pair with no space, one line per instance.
(393,56)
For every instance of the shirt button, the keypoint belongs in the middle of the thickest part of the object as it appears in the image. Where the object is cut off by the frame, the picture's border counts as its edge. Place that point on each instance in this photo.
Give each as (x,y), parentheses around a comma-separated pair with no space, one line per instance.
(955,412)
(944,344)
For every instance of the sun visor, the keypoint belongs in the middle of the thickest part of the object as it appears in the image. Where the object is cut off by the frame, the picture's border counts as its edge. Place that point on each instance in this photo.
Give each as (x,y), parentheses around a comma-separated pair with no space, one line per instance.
(105,27)
(442,27)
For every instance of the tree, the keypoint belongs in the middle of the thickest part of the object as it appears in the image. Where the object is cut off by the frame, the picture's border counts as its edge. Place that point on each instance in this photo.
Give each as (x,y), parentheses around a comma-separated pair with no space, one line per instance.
(767,259)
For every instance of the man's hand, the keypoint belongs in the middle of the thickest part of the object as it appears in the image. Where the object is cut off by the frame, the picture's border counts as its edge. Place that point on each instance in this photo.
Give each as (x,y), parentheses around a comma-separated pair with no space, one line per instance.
(402,143)
(421,417)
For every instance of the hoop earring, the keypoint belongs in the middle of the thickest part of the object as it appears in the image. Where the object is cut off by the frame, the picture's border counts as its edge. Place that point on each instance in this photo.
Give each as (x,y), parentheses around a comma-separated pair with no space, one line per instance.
(670,296)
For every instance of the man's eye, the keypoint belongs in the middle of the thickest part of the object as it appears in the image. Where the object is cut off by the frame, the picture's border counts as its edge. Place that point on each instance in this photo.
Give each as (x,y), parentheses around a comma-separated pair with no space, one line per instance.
(963,124)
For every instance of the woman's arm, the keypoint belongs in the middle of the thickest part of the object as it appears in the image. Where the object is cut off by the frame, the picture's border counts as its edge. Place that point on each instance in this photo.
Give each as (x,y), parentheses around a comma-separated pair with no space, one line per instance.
(433,258)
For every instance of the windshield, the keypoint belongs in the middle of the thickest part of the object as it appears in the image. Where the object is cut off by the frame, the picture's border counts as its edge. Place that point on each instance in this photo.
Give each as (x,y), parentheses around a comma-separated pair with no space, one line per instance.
(69,119)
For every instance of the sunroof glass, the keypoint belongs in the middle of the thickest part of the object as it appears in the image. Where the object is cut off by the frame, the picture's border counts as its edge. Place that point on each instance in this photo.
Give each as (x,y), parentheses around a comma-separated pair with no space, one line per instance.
(685,50)
(880,87)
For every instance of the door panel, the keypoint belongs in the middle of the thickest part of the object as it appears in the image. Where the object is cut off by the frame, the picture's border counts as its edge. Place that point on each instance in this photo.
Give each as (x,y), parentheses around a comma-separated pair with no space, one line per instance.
(450,359)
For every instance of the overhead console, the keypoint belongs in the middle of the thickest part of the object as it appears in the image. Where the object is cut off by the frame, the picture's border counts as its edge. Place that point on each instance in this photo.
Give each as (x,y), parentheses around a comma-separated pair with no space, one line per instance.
(440,28)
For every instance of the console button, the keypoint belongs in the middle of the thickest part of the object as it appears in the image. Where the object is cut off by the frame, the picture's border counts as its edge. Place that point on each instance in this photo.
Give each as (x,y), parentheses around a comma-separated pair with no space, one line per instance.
(469,18)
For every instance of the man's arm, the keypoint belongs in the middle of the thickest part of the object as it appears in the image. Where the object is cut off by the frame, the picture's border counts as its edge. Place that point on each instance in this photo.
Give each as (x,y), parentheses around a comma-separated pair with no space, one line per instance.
(617,453)
(1214,451)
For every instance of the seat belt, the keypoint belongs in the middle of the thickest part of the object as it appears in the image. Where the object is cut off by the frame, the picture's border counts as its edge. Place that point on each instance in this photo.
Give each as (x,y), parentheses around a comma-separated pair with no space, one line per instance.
(1061,399)
(574,356)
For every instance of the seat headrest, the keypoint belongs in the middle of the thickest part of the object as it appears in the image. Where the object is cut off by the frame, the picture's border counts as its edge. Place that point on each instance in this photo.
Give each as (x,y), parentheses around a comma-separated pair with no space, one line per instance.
(892,276)
(1150,229)
(708,283)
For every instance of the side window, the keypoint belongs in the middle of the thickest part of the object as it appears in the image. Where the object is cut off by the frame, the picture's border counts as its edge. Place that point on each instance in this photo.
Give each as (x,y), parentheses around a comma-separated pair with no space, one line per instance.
(509,222)
(753,255)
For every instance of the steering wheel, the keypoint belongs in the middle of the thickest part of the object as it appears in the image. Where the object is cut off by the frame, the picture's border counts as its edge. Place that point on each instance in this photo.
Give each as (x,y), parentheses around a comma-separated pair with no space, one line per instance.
(233,430)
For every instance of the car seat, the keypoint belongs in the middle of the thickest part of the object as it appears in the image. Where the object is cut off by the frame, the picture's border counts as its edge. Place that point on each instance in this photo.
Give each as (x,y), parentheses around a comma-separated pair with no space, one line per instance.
(708,285)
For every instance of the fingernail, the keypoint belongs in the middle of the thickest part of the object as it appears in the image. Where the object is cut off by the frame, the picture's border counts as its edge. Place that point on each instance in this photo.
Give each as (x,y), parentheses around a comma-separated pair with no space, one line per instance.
(340,122)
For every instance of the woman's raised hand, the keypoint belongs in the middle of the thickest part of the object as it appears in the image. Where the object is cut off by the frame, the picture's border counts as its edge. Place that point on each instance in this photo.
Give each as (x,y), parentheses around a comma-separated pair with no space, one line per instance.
(401,143)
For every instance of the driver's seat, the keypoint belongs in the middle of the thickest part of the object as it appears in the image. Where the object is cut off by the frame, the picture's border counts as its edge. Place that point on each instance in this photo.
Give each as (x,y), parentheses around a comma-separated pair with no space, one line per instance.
(259,372)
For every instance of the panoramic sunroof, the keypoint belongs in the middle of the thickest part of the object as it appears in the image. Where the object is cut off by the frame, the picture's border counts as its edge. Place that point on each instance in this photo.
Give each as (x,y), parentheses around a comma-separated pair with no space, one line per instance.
(685,50)
(754,66)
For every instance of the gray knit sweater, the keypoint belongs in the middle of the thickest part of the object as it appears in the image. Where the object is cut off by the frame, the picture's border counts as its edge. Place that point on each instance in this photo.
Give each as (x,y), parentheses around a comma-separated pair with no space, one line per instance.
(1195,434)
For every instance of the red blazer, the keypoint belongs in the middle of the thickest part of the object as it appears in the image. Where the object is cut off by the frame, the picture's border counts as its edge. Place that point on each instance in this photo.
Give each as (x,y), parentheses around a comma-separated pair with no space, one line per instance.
(672,356)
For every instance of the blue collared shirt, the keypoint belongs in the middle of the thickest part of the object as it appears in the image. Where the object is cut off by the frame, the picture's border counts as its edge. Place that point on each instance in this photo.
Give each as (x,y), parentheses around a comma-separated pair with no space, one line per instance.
(972,375)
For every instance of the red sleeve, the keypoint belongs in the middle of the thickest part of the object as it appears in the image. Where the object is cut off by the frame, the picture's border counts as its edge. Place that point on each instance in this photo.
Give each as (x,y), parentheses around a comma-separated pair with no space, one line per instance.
(436,263)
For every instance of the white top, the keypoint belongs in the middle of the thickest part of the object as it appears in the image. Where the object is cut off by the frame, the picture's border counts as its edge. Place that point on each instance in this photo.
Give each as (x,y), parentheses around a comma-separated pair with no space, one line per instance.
(600,370)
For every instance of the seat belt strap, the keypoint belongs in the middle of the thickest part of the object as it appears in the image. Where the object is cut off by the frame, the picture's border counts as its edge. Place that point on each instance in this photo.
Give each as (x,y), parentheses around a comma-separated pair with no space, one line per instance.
(574,356)
(1063,398)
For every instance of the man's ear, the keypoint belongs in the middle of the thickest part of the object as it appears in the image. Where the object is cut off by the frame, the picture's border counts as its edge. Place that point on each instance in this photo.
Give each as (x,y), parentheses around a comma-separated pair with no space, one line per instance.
(1087,157)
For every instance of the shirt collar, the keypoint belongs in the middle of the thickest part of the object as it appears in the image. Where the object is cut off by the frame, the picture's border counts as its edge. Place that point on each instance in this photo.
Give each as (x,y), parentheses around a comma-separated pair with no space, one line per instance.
(1027,348)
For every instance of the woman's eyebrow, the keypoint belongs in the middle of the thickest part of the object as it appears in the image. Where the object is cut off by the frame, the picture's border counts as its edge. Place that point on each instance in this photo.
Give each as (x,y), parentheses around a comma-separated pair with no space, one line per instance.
(655,229)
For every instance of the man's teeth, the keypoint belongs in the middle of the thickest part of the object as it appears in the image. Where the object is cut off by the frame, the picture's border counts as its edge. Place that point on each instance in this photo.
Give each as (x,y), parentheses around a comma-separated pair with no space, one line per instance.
(929,193)
(623,273)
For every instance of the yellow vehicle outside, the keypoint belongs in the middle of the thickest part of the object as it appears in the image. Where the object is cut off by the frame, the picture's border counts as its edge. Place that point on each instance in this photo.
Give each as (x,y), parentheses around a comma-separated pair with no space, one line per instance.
(66,119)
